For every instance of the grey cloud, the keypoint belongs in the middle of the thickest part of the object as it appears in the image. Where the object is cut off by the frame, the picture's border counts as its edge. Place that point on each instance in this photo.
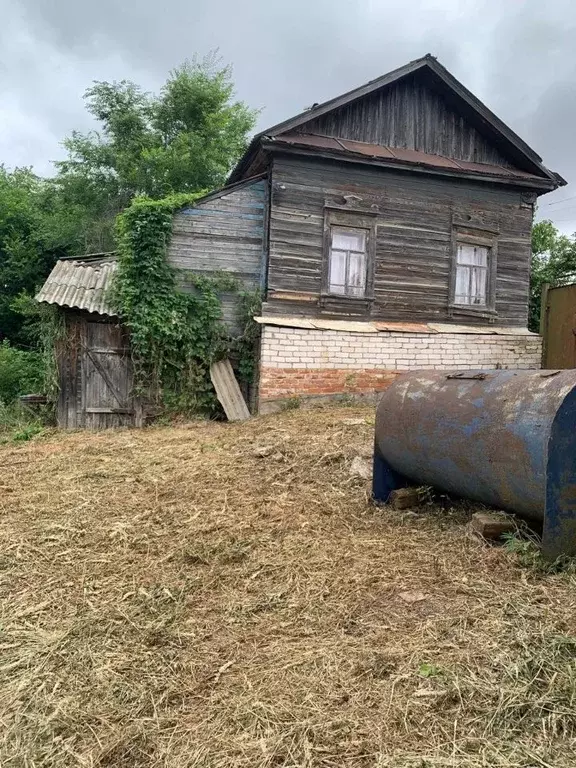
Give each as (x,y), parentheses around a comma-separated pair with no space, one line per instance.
(518,57)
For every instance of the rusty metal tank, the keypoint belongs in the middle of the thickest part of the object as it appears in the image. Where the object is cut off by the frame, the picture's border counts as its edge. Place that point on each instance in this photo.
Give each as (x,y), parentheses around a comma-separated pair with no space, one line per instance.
(506,438)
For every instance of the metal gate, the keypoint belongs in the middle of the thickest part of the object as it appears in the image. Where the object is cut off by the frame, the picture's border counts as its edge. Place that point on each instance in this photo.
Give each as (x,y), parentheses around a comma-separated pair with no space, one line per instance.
(558,327)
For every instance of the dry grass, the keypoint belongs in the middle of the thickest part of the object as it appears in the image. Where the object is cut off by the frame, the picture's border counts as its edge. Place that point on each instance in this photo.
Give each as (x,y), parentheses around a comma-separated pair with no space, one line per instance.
(170,598)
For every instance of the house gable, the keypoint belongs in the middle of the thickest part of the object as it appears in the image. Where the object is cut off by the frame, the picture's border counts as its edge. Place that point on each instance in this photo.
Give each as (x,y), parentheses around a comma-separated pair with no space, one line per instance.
(409,114)
(420,107)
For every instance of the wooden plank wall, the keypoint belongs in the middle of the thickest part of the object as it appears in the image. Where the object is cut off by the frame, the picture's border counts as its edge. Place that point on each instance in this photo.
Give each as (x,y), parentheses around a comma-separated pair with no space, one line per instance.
(410,115)
(107,378)
(85,397)
(222,234)
(69,360)
(415,214)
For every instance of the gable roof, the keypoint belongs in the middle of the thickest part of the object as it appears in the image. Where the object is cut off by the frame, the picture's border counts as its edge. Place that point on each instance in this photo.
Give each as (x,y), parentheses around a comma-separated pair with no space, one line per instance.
(465,101)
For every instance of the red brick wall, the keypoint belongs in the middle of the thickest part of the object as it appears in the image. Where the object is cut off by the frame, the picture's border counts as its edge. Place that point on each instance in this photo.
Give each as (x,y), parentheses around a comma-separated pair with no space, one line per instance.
(278,383)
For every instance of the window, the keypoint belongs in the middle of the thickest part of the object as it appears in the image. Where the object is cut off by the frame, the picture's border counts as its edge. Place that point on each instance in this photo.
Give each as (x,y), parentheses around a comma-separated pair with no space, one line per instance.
(348,261)
(471,286)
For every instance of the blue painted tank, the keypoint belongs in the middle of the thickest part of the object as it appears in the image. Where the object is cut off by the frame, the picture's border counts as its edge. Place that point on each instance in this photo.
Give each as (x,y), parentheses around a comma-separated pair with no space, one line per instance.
(506,438)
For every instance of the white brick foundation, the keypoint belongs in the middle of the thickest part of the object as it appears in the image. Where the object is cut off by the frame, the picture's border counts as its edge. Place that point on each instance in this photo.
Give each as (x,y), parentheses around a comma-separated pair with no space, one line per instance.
(312,362)
(301,348)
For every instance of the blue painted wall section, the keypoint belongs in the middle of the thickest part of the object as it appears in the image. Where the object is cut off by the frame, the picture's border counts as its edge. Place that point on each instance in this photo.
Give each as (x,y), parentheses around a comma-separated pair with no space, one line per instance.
(504,438)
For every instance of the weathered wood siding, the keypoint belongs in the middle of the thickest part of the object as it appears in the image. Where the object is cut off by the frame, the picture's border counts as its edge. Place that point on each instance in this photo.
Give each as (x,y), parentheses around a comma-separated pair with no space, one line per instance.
(95,375)
(222,234)
(415,214)
(411,115)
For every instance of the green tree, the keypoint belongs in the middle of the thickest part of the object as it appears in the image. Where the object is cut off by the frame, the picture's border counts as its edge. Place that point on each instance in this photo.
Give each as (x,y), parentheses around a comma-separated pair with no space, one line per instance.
(20,373)
(35,230)
(185,139)
(553,261)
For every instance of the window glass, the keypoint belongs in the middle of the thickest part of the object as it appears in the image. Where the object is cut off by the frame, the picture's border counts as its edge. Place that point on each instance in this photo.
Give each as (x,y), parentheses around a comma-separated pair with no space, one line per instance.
(338,271)
(357,272)
(473,254)
(348,240)
(471,285)
(348,261)
(462,283)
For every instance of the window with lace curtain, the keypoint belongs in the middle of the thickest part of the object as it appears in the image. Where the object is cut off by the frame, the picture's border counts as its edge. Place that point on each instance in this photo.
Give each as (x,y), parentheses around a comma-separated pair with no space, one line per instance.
(348,261)
(471,286)
(473,278)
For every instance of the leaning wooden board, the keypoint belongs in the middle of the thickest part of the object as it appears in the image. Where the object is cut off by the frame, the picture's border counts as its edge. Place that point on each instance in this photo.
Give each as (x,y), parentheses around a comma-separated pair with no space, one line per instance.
(228,391)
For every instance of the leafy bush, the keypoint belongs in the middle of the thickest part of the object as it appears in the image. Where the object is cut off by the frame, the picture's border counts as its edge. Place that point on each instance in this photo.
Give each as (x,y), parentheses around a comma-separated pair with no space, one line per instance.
(21,372)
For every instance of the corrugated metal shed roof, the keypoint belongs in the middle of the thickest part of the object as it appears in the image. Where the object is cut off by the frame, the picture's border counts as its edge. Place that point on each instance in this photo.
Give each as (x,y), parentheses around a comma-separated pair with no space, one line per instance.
(393,154)
(80,285)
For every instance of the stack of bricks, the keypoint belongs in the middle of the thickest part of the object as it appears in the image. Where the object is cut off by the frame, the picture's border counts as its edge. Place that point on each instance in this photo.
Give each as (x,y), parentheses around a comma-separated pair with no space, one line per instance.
(297,362)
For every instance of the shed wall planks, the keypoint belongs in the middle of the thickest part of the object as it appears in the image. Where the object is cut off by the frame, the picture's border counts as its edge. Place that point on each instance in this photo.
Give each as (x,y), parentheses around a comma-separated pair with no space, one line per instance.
(223,234)
(414,216)
(95,375)
(410,114)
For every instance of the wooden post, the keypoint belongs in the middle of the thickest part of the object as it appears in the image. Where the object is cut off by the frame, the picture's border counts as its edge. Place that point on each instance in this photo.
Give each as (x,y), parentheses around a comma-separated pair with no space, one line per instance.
(544,322)
(138,413)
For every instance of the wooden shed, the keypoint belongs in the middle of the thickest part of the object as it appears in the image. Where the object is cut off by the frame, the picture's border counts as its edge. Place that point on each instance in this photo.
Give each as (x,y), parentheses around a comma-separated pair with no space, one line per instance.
(221,232)
(93,353)
(558,326)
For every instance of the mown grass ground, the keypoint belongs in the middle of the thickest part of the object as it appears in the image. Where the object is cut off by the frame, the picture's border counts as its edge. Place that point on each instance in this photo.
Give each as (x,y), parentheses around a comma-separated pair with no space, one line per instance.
(171,597)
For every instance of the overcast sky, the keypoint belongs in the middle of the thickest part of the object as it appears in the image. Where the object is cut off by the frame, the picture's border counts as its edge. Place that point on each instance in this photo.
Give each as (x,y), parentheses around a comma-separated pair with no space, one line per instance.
(518,56)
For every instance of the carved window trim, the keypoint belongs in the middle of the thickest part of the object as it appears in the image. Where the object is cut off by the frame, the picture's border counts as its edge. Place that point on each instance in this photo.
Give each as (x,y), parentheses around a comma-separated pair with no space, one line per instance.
(468,235)
(335,217)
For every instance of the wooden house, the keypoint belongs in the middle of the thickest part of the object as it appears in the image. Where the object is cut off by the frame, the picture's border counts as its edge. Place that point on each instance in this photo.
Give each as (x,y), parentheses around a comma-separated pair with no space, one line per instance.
(398,237)
(389,229)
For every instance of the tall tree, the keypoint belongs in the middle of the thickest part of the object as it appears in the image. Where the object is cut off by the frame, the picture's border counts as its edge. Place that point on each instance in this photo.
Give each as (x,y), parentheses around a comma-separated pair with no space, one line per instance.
(553,261)
(35,230)
(185,139)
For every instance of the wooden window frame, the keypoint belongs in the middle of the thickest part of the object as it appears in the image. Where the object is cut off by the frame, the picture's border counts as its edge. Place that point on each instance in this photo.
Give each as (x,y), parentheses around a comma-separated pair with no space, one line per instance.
(485,239)
(351,219)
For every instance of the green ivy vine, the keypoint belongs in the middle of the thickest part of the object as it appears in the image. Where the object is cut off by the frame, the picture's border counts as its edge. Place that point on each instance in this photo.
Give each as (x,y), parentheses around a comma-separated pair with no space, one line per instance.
(175,335)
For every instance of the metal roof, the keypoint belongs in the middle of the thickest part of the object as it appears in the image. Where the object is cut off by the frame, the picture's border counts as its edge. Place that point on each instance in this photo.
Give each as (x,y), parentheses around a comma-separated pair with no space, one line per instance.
(80,285)
(396,155)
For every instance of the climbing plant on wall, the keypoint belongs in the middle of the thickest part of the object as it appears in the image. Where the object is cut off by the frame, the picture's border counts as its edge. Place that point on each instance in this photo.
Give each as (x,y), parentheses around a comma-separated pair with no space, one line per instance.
(175,336)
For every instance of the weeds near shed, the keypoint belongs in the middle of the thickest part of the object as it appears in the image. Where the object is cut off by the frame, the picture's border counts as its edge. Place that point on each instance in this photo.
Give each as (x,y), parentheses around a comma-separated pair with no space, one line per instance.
(18,423)
(174,597)
(291,404)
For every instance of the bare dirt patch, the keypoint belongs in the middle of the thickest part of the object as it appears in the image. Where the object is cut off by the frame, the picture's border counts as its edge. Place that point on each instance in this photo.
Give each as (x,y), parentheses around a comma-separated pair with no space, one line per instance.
(219,596)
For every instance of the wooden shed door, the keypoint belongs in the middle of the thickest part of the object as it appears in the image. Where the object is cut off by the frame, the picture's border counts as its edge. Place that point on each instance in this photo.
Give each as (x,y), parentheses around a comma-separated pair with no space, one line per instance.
(106,377)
